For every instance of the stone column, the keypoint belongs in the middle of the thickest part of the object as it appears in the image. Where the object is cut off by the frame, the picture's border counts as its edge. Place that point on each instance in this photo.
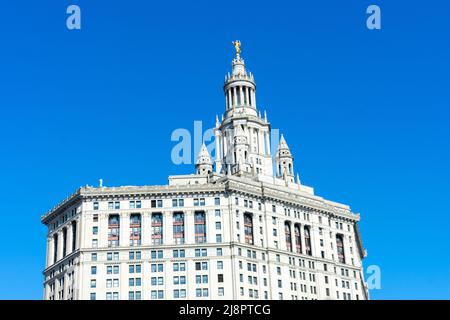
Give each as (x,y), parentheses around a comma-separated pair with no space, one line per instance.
(302,238)
(168,227)
(234,96)
(103,230)
(146,228)
(69,237)
(60,245)
(124,238)
(50,248)
(266,143)
(253,98)
(189,229)
(312,239)
(247,95)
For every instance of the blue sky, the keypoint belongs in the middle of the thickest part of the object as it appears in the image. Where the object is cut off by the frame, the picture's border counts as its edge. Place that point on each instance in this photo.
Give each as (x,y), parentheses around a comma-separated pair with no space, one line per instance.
(366,113)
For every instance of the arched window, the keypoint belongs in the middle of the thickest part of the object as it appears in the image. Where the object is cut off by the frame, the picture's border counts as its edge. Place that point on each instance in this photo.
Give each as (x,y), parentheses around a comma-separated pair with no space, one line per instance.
(287,232)
(200,227)
(308,241)
(340,248)
(178,228)
(55,248)
(74,235)
(298,241)
(135,229)
(64,240)
(157,229)
(248,228)
(113,230)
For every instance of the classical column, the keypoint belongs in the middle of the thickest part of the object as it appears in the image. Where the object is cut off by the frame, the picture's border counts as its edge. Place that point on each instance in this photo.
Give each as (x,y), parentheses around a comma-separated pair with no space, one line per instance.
(124,238)
(247,95)
(253,98)
(69,237)
(167,227)
(266,143)
(189,227)
(234,96)
(312,238)
(302,238)
(50,248)
(60,245)
(102,230)
(292,231)
(218,151)
(146,228)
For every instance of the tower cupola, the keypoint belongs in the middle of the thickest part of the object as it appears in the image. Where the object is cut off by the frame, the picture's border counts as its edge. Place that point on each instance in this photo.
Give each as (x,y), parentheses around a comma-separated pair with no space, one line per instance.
(239,87)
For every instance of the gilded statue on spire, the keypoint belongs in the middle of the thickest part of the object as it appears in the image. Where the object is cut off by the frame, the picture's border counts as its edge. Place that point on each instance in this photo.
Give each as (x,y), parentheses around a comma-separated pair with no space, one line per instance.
(237,46)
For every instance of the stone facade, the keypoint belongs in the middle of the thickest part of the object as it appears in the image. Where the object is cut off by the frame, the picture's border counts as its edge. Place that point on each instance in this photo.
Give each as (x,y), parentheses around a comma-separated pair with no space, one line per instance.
(242,228)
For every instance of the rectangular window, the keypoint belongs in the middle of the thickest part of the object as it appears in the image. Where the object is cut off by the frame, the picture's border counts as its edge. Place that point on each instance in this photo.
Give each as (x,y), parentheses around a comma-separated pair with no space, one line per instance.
(95,205)
(157,229)
(93,270)
(200,227)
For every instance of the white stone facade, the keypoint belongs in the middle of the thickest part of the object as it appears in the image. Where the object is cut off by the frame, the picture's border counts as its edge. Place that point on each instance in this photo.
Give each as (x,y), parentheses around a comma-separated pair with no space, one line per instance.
(235,231)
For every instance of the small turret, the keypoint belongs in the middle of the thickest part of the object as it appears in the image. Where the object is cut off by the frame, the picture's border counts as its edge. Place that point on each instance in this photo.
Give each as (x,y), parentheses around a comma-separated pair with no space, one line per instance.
(203,165)
(285,161)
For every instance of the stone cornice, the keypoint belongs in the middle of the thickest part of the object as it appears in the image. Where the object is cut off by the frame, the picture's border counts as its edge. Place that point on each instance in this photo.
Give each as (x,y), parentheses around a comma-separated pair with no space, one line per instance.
(240,185)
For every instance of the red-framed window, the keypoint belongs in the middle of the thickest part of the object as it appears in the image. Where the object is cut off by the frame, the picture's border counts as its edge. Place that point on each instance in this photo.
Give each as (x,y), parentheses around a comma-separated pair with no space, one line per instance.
(157,228)
(248,228)
(340,248)
(287,232)
(178,228)
(135,229)
(298,241)
(200,227)
(113,230)
(308,241)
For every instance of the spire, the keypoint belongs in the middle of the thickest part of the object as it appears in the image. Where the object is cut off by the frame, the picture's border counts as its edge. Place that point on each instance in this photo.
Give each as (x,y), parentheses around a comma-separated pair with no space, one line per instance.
(203,156)
(284,160)
(283,148)
(204,163)
(217,121)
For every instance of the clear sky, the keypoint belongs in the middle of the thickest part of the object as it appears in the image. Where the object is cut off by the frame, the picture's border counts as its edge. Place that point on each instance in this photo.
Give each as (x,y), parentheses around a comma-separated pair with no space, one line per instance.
(366,113)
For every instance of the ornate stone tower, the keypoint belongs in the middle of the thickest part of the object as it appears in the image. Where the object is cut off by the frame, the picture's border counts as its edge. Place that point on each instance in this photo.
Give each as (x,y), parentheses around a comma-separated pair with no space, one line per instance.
(284,161)
(243,136)
(203,165)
